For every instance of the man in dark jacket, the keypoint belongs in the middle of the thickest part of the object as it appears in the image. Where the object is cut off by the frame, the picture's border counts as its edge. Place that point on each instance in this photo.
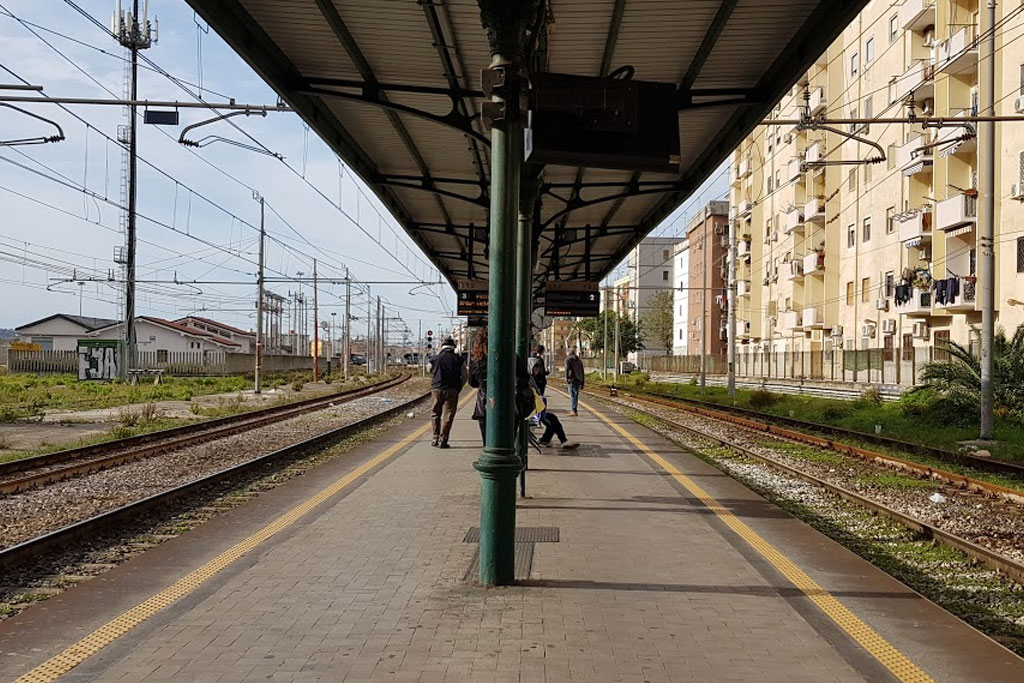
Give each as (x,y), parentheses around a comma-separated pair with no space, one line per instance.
(537,369)
(446,370)
(574,377)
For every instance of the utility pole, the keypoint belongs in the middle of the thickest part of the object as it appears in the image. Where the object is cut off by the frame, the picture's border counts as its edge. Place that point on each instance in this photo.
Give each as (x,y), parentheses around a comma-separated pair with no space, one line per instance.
(347,345)
(259,305)
(704,307)
(615,369)
(419,337)
(731,314)
(135,36)
(316,327)
(987,178)
(381,361)
(604,346)
(369,327)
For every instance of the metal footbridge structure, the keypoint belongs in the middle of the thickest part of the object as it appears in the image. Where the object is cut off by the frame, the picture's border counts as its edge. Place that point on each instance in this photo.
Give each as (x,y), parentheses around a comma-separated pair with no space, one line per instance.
(419,99)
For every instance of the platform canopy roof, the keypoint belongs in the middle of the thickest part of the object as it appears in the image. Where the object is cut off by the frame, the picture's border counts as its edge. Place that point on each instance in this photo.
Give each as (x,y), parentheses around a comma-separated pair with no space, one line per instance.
(392,86)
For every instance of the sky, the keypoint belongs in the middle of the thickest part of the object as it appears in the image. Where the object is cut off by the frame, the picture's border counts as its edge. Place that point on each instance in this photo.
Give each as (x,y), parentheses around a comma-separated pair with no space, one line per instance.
(198,219)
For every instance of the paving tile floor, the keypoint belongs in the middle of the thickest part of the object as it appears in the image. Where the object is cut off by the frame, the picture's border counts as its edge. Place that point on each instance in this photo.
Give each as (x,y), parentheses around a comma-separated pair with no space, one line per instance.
(639,587)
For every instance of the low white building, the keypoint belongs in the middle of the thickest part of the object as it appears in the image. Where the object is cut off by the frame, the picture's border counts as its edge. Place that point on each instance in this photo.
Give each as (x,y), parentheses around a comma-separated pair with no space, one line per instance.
(681,298)
(166,337)
(60,331)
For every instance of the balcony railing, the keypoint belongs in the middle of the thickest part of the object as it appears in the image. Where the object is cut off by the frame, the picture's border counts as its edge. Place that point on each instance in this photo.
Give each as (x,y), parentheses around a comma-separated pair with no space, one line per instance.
(915,227)
(794,222)
(958,54)
(915,15)
(957,211)
(955,294)
(919,79)
(793,170)
(743,288)
(813,152)
(796,269)
(911,159)
(920,304)
(791,320)
(814,210)
(814,262)
(956,139)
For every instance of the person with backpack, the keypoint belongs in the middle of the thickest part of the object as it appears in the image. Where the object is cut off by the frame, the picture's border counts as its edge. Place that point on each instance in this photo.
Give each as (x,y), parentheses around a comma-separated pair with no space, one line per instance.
(575,378)
(537,369)
(445,385)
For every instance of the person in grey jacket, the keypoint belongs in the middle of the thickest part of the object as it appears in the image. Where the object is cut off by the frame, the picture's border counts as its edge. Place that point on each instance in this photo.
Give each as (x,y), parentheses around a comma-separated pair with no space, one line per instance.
(574,378)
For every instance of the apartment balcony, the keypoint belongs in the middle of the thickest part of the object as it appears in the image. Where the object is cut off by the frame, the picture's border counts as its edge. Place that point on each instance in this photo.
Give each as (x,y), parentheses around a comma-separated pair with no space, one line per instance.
(916,15)
(794,222)
(812,318)
(742,287)
(920,304)
(818,102)
(796,269)
(745,207)
(958,54)
(814,263)
(918,79)
(814,210)
(790,320)
(743,249)
(960,211)
(956,139)
(813,152)
(743,168)
(965,299)
(915,227)
(793,171)
(791,129)
(911,159)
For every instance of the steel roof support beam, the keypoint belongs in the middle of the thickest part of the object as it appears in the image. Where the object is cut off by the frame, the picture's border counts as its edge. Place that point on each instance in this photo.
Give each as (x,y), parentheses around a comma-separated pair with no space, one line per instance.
(480,200)
(341,32)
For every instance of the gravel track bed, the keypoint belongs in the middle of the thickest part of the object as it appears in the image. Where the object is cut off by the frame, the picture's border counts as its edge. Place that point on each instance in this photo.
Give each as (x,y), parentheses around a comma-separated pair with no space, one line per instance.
(31,513)
(993,523)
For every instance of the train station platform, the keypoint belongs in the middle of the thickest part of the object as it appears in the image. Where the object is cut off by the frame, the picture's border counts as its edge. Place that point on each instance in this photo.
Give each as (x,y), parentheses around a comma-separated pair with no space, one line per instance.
(638,562)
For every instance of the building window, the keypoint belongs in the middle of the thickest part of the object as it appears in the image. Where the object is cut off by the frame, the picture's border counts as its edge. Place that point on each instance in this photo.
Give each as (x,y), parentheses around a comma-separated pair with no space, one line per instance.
(770,181)
(854,65)
(1022,79)
(890,284)
(849,293)
(908,347)
(869,111)
(778,178)
(664,276)
(865,289)
(892,89)
(890,157)
(890,222)
(941,345)
(851,179)
(894,27)
(851,236)
(869,51)
(664,255)
(887,344)
(866,230)
(1020,254)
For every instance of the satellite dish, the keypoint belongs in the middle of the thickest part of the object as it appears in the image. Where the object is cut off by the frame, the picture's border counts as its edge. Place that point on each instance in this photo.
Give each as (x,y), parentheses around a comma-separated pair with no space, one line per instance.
(540,321)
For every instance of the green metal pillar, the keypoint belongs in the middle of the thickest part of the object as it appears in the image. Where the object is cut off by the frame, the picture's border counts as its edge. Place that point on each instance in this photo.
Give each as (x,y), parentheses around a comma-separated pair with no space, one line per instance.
(506,22)
(524,291)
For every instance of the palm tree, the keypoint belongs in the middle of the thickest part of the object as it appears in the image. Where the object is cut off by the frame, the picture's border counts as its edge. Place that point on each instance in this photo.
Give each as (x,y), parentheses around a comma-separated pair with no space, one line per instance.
(958,380)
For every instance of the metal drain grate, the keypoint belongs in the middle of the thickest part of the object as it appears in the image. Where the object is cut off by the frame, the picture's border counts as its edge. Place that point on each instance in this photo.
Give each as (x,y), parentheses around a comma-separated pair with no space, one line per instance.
(585,452)
(524,534)
(523,565)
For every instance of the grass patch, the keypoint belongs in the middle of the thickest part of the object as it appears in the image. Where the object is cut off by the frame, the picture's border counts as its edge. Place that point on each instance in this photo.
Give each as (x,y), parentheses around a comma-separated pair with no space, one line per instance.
(897,481)
(808,453)
(898,421)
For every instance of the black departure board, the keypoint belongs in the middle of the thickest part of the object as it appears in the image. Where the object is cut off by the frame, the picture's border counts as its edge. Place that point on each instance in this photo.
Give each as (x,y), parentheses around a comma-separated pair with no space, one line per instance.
(575,299)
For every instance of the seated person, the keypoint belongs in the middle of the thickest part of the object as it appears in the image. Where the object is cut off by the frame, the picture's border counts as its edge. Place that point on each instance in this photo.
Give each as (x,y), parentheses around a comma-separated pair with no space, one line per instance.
(553,427)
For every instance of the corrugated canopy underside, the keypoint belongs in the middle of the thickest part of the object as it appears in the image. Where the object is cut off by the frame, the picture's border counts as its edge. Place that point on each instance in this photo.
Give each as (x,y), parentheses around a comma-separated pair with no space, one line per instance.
(319,54)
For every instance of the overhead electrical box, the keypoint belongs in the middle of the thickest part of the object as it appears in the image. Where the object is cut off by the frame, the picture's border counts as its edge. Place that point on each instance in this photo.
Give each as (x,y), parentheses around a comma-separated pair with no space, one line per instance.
(608,122)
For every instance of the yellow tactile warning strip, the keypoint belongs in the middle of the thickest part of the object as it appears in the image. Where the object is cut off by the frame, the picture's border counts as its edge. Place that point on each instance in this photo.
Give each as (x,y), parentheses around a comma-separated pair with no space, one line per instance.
(877,646)
(117,627)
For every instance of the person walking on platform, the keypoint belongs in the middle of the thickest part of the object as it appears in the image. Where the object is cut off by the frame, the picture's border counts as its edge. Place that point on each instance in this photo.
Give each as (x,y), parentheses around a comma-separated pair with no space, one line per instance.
(445,386)
(537,369)
(574,377)
(477,377)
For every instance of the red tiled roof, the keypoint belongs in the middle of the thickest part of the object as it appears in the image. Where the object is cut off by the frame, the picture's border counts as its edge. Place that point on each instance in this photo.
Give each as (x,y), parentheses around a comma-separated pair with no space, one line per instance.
(221,325)
(174,325)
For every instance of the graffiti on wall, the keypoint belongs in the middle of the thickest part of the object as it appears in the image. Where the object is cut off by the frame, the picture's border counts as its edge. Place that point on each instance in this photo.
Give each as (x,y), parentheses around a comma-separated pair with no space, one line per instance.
(97,359)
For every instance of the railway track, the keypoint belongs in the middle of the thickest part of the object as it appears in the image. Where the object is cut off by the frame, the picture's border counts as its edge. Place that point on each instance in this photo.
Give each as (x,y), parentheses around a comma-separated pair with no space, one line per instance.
(59,540)
(27,473)
(984,555)
(802,430)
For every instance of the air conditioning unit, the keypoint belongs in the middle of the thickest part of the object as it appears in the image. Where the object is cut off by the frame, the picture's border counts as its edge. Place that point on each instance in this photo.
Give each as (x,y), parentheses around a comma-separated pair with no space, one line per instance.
(766,281)
(928,107)
(882,304)
(1017,192)
(837,331)
(787,138)
(920,330)
(889,326)
(720,230)
(1018,105)
(867,330)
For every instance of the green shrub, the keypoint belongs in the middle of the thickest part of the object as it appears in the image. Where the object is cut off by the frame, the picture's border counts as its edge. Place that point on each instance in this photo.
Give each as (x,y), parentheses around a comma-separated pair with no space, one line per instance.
(762,399)
(872,395)
(834,413)
(297,385)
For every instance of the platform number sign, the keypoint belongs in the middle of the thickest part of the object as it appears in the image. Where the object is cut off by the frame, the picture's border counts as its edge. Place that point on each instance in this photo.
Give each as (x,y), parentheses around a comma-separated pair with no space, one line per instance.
(577,299)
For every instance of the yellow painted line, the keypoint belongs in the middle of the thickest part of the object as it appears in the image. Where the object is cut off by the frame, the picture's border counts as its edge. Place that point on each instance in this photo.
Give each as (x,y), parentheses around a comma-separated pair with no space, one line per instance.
(877,646)
(105,635)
